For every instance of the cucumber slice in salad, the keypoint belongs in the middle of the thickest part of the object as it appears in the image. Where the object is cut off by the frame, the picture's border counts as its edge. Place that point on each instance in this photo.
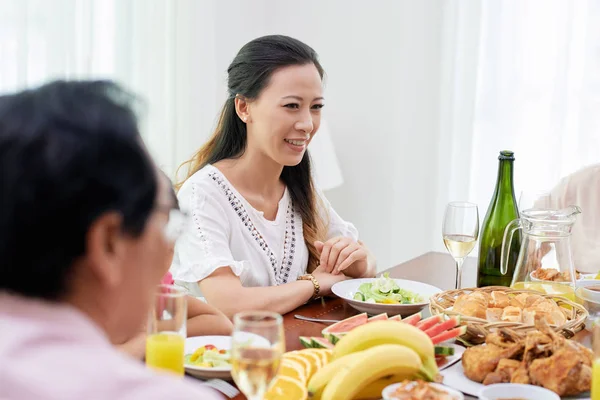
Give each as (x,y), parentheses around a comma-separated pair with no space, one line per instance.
(359,296)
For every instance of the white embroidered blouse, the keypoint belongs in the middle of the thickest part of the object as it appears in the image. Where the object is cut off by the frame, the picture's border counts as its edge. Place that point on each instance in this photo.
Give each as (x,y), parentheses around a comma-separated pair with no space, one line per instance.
(226,231)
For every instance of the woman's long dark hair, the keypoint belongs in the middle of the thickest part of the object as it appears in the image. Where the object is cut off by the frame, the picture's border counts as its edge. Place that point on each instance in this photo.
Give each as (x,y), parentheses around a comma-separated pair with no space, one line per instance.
(248,75)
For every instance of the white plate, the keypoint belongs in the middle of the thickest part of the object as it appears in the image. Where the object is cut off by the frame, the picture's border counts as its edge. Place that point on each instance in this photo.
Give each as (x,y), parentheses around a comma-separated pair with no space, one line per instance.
(455,378)
(582,277)
(451,360)
(220,342)
(347,289)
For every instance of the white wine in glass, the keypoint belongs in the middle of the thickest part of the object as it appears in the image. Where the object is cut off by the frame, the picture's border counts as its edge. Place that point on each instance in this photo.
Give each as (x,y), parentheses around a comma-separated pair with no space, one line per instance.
(460,231)
(459,246)
(257,347)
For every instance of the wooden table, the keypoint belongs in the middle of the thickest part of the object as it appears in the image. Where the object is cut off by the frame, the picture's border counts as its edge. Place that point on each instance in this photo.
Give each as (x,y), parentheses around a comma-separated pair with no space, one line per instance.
(437,269)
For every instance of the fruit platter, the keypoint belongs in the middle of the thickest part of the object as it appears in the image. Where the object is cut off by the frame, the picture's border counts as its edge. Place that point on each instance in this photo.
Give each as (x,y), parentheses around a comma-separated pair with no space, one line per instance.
(359,357)
(385,295)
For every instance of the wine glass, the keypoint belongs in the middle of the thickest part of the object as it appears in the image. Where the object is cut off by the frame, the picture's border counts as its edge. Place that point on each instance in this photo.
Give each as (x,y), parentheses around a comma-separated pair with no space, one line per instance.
(460,231)
(535,198)
(167,330)
(257,345)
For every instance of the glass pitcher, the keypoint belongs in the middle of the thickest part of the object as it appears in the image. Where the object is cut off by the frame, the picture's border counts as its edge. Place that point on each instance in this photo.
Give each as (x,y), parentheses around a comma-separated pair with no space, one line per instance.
(545,262)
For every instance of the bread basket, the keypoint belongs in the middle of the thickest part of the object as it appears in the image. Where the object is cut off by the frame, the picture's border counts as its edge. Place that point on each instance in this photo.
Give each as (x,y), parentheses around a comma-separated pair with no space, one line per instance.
(478,329)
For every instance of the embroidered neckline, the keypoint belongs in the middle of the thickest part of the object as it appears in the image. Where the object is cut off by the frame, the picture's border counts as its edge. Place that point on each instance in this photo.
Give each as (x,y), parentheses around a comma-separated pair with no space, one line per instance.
(281,273)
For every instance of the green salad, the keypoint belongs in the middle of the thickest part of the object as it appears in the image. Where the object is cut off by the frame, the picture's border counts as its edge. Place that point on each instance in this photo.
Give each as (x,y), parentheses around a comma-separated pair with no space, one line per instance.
(384,290)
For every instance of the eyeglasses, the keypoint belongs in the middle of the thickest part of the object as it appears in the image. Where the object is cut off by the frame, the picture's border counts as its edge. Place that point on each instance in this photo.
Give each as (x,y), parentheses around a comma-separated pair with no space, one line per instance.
(177,223)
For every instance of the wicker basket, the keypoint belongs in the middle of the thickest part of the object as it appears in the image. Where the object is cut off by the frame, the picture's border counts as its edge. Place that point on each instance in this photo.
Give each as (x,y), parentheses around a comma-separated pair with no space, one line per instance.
(477,328)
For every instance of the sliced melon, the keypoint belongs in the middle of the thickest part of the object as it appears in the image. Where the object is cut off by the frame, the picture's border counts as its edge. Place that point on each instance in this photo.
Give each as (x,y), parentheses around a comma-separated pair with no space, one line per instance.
(448,335)
(429,322)
(413,319)
(333,338)
(321,343)
(345,325)
(306,342)
(396,318)
(380,317)
(443,326)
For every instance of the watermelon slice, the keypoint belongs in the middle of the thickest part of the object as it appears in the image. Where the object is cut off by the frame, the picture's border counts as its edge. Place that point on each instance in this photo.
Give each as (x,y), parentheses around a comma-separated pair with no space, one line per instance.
(413,319)
(444,326)
(345,325)
(320,343)
(380,317)
(395,318)
(333,338)
(306,342)
(447,335)
(429,322)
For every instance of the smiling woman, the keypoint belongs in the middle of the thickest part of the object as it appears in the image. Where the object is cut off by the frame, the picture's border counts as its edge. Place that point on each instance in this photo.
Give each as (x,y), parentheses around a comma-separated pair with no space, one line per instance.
(259,222)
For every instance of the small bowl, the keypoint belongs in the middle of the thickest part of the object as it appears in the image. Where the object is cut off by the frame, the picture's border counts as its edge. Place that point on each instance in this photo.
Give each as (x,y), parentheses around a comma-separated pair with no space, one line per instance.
(590,300)
(516,391)
(590,290)
(389,390)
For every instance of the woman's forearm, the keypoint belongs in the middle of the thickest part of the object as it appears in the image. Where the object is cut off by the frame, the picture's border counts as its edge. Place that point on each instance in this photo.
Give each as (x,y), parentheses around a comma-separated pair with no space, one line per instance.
(280,299)
(209,324)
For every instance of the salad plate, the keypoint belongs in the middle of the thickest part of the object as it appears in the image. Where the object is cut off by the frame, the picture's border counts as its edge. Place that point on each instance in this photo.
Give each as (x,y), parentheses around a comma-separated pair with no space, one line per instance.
(211,362)
(385,295)
(209,357)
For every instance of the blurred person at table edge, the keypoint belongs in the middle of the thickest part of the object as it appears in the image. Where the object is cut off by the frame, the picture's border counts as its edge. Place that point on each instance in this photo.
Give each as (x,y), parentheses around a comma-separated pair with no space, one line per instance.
(581,188)
(263,236)
(203,319)
(82,242)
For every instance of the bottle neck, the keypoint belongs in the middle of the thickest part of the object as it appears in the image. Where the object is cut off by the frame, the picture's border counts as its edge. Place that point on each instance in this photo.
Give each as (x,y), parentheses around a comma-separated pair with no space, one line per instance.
(504,185)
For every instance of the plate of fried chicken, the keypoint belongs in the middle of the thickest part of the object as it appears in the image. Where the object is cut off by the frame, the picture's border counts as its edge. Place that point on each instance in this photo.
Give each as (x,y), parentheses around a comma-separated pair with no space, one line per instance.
(541,357)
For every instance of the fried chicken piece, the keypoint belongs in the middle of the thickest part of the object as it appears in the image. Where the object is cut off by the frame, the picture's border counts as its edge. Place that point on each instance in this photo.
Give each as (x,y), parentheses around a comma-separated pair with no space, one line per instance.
(566,372)
(521,375)
(537,345)
(503,372)
(479,361)
(503,338)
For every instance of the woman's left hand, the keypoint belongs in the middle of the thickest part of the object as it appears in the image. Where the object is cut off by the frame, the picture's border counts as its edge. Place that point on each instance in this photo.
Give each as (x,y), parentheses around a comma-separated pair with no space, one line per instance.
(339,253)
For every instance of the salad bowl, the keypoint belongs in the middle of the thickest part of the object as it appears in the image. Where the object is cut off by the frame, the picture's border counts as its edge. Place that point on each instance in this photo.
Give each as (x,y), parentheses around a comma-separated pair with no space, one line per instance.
(385,295)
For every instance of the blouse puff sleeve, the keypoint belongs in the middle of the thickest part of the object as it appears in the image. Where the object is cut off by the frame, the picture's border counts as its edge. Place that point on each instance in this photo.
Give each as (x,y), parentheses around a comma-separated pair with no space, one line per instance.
(205,246)
(336,225)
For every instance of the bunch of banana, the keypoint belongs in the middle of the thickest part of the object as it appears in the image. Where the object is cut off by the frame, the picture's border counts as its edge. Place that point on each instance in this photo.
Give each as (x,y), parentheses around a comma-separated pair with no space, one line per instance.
(371,357)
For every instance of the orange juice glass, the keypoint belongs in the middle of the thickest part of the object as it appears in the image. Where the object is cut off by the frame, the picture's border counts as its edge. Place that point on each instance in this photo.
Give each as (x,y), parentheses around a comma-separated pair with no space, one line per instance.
(167,330)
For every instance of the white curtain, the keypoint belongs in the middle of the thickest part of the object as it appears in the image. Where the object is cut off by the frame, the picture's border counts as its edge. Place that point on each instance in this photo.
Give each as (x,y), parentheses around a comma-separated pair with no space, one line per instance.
(160,49)
(163,50)
(523,76)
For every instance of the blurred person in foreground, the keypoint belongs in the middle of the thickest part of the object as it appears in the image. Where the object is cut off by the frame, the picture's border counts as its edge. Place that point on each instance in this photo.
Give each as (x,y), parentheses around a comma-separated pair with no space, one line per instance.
(83,216)
(203,319)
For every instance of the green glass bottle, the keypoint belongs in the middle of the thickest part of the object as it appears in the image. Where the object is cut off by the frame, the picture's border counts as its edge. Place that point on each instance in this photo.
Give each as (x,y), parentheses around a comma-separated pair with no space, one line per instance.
(502,210)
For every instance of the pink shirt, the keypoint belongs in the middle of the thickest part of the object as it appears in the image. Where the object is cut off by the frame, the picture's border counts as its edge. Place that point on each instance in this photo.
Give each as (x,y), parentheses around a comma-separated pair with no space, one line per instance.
(55,352)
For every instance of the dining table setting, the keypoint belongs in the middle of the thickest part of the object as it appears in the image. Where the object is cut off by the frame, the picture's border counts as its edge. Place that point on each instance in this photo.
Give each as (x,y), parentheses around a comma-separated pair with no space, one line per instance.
(517,321)
(432,269)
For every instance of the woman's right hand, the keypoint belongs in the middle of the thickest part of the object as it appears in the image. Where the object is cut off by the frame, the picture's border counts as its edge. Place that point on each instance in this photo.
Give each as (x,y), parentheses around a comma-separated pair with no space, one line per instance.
(326,280)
